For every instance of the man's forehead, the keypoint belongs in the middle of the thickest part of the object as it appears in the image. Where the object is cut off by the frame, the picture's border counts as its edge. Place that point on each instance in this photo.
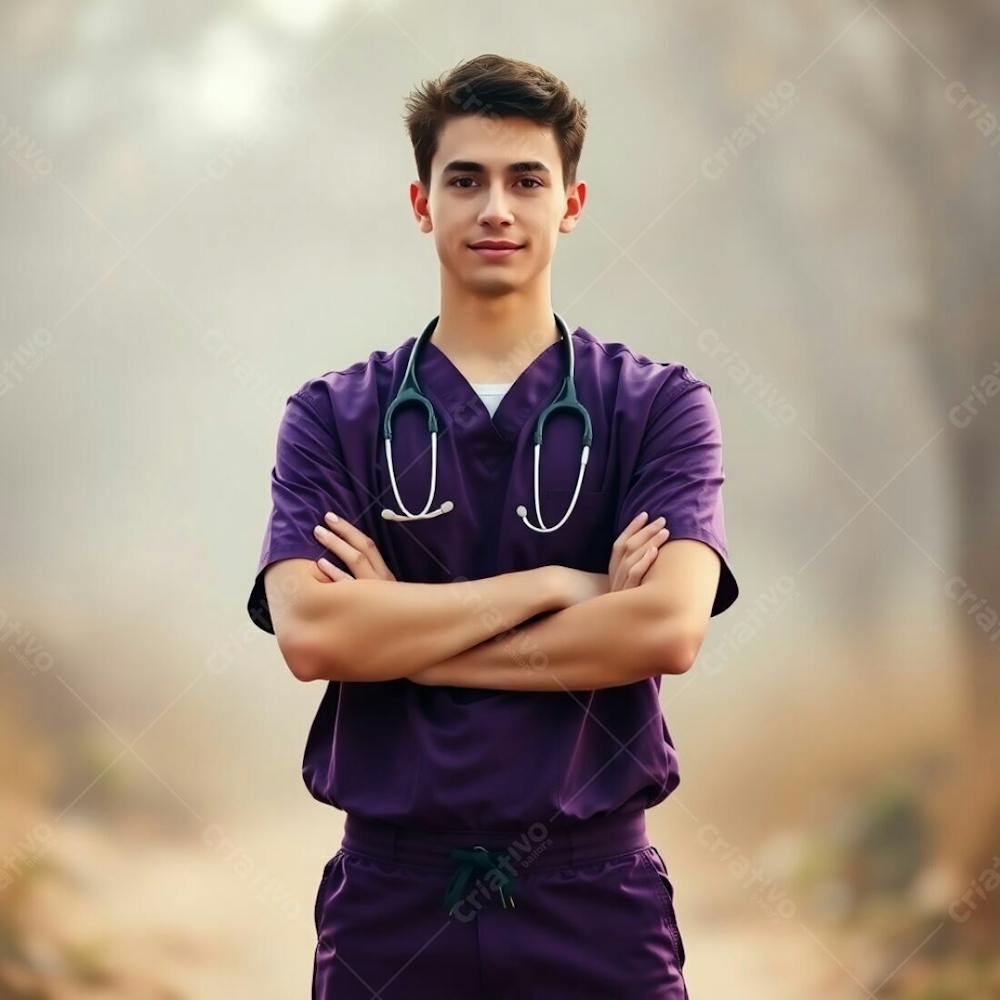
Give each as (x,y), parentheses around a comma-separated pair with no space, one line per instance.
(495,142)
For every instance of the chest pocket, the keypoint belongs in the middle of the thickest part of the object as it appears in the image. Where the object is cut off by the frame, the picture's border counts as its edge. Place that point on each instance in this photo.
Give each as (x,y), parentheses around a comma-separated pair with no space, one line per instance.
(584,541)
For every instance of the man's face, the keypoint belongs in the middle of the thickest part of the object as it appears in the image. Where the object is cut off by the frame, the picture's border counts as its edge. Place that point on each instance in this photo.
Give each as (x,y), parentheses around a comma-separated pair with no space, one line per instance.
(496,179)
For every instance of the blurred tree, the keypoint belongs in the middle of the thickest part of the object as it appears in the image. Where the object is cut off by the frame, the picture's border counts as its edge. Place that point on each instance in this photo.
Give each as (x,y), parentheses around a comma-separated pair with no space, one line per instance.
(954,199)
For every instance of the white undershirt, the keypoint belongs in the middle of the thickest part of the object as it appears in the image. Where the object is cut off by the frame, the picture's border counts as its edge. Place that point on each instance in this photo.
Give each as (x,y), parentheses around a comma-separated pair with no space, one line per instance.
(491,393)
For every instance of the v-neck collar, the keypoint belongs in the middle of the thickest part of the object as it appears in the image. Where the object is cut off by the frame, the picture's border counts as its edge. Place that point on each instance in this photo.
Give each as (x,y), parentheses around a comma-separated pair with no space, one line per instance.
(534,388)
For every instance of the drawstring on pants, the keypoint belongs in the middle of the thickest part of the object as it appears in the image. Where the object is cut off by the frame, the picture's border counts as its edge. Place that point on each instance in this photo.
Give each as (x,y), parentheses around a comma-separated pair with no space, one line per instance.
(481,858)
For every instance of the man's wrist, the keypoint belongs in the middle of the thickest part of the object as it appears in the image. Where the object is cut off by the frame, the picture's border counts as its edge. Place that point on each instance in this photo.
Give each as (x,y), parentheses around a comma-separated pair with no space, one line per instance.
(551,584)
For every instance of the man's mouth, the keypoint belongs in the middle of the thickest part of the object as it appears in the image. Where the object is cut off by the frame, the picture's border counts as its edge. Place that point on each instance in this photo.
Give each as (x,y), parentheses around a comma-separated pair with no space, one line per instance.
(495,249)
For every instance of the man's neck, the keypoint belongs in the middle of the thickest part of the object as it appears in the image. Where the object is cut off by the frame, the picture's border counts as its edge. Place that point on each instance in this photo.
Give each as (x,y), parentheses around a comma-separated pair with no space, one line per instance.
(494,341)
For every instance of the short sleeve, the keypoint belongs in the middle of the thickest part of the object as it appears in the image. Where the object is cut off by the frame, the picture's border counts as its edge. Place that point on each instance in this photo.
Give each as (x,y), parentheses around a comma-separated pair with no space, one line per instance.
(308,479)
(679,474)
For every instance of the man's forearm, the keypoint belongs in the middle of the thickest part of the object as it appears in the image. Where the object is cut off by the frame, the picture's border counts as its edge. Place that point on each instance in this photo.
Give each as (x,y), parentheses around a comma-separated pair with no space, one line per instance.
(614,639)
(376,630)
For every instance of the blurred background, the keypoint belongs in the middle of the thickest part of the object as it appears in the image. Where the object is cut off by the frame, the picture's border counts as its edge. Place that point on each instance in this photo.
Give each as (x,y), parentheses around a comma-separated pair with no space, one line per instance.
(206,205)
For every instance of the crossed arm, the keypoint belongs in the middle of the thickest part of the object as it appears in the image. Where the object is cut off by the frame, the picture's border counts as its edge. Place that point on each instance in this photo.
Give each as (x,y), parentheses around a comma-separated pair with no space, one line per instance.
(614,639)
(646,616)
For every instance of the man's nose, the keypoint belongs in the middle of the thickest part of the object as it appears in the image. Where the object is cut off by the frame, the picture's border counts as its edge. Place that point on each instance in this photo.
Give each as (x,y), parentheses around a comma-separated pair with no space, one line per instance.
(497,207)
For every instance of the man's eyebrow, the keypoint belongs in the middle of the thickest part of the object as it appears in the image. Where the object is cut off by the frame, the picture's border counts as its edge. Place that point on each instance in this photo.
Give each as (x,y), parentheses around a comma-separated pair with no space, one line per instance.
(471,167)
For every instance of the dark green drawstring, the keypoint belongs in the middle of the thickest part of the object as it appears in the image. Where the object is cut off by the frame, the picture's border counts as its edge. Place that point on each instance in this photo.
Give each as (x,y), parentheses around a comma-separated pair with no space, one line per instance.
(477,857)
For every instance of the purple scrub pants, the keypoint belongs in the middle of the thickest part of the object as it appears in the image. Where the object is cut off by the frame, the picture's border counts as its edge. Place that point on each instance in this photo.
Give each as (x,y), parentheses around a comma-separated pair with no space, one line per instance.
(538,914)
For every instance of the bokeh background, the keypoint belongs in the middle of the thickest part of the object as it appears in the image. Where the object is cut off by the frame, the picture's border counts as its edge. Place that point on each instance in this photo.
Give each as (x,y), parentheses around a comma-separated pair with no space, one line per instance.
(204,205)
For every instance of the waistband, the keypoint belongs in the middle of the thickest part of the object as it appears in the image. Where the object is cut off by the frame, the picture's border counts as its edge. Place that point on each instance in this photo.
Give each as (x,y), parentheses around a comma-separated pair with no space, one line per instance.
(545,847)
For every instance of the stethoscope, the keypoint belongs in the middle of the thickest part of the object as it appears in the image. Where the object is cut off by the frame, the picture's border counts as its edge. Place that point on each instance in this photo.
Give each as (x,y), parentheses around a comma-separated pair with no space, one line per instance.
(409,392)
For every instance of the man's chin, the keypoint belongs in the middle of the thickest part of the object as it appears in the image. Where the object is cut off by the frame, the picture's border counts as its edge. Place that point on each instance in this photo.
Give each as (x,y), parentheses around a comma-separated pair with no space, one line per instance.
(491,284)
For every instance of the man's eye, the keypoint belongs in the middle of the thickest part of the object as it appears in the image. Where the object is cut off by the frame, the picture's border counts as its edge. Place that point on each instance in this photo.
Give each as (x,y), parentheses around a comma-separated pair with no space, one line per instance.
(455,183)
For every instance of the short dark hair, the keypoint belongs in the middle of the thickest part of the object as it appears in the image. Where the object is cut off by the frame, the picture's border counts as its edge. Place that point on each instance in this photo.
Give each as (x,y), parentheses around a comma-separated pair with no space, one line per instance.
(493,85)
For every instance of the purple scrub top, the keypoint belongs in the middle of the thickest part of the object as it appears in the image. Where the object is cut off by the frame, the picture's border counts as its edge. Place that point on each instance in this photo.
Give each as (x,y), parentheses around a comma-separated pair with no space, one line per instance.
(467,758)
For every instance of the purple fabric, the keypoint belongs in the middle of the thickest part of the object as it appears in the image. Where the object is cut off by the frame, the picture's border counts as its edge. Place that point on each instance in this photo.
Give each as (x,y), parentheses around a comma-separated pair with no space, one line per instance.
(590,919)
(441,757)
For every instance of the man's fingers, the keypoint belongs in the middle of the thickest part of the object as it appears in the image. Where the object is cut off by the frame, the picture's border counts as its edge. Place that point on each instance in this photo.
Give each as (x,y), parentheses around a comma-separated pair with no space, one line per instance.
(649,533)
(358,540)
(633,526)
(636,523)
(333,572)
(349,555)
(639,557)
(628,547)
(638,568)
(636,534)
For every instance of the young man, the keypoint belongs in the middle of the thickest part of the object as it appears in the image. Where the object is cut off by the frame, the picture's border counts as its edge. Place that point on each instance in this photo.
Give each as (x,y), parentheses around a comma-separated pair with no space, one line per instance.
(493,643)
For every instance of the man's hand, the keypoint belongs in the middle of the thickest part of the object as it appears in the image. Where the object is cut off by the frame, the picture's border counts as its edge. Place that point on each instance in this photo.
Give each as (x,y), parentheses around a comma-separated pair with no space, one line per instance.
(634,551)
(354,547)
(632,554)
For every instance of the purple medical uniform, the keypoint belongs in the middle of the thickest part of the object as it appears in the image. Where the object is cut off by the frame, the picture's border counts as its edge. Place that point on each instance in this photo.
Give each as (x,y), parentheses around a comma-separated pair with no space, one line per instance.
(423,771)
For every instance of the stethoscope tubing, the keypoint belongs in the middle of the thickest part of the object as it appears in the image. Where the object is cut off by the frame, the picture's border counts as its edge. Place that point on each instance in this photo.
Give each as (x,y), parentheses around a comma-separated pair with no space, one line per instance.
(410,393)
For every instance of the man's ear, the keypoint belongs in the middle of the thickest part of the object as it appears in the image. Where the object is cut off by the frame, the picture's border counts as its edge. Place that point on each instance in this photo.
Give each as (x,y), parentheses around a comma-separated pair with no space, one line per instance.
(575,197)
(421,205)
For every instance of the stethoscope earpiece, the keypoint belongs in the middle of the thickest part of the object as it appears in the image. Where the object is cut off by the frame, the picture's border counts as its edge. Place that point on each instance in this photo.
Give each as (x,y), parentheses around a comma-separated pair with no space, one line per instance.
(409,392)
